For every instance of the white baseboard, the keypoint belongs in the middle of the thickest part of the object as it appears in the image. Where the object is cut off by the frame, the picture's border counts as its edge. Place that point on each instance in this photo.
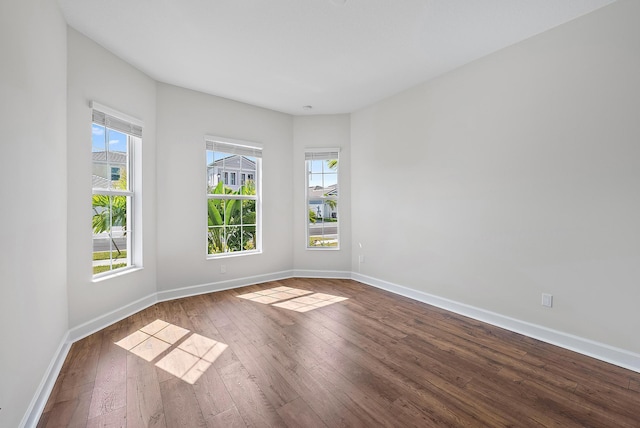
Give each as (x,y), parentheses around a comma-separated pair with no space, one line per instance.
(36,407)
(194,290)
(600,351)
(97,324)
(129,309)
(333,274)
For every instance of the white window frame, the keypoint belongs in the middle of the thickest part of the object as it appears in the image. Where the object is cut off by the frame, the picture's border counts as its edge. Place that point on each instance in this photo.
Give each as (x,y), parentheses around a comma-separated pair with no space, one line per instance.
(321,154)
(114,120)
(237,147)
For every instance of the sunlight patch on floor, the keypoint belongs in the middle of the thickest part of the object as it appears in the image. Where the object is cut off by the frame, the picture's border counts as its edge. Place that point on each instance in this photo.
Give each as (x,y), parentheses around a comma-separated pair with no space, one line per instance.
(292,298)
(189,354)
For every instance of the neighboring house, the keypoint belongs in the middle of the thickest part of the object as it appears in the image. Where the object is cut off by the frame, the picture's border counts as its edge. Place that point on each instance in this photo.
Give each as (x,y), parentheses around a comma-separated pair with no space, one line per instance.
(104,172)
(99,182)
(316,203)
(233,170)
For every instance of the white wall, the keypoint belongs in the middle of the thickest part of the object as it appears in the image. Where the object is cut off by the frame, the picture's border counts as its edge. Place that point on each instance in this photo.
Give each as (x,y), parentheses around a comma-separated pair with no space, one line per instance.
(184,118)
(313,132)
(94,74)
(33,191)
(512,176)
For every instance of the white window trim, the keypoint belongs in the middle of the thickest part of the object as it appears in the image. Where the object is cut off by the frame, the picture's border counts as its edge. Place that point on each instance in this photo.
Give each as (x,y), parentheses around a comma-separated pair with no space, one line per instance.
(115,113)
(249,148)
(326,153)
(134,212)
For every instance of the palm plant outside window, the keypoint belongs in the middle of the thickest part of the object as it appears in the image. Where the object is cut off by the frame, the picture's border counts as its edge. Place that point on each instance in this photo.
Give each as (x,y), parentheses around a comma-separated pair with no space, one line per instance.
(233,205)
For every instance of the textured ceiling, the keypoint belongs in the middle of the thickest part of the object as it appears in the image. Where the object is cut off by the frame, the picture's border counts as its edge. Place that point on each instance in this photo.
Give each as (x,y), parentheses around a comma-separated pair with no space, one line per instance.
(337,56)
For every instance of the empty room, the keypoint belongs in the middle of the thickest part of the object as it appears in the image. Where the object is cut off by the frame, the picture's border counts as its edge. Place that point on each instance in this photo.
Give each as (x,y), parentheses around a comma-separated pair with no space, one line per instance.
(320,213)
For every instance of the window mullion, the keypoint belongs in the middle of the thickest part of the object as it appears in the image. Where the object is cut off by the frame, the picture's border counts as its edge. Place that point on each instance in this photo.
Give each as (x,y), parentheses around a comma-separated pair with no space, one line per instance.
(112,192)
(110,232)
(229,197)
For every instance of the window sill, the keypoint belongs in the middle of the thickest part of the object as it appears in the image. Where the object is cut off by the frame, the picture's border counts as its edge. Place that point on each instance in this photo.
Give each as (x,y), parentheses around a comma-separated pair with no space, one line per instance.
(323,248)
(232,254)
(116,273)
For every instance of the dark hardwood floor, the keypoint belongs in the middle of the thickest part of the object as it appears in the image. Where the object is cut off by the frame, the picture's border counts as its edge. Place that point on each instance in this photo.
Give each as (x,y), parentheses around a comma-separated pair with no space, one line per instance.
(235,359)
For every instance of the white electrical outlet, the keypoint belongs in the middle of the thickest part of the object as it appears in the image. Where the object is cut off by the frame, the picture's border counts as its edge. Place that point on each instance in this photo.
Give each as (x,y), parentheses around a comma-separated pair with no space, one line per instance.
(223,268)
(547,300)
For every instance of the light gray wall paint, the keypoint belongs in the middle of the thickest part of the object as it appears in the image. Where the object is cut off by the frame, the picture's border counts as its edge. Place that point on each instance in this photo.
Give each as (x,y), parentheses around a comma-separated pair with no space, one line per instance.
(94,74)
(33,191)
(184,118)
(512,176)
(314,132)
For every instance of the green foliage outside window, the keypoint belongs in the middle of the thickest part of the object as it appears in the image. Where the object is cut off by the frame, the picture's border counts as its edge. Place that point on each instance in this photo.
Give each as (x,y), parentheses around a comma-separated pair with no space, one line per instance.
(231,221)
(110,211)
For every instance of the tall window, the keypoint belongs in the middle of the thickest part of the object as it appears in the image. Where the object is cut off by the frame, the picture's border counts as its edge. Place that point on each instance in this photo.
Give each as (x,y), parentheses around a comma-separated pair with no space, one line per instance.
(113,139)
(233,209)
(322,198)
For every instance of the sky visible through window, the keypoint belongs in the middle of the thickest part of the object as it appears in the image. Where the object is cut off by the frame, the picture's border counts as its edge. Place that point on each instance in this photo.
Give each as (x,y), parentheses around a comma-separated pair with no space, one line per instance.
(321,175)
(117,140)
(215,156)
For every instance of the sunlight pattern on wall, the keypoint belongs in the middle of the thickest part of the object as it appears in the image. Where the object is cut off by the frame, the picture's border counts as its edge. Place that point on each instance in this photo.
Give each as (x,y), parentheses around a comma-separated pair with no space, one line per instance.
(176,350)
(292,298)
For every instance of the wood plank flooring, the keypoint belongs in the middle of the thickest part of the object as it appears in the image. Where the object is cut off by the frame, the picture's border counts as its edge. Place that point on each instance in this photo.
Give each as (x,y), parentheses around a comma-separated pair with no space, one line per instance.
(233,359)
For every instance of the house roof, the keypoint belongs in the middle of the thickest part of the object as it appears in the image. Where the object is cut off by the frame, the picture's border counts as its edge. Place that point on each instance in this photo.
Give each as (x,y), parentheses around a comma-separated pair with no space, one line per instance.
(100,182)
(116,158)
(318,191)
(235,162)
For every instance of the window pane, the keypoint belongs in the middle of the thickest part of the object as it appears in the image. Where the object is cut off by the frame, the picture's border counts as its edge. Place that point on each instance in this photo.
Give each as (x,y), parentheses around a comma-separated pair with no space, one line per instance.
(117,159)
(249,238)
(233,170)
(224,233)
(248,167)
(215,211)
(99,154)
(212,180)
(215,238)
(216,234)
(233,236)
(98,138)
(249,212)
(330,179)
(233,212)
(110,152)
(323,223)
(315,180)
(110,240)
(316,166)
